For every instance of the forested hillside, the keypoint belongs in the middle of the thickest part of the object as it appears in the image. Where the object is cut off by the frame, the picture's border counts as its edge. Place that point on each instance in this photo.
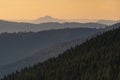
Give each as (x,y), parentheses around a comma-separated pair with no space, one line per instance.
(40,56)
(21,45)
(96,59)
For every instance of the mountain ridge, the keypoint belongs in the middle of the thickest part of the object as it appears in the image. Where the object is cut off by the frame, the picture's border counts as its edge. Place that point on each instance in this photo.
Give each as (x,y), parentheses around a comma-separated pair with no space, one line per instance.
(47,19)
(10,27)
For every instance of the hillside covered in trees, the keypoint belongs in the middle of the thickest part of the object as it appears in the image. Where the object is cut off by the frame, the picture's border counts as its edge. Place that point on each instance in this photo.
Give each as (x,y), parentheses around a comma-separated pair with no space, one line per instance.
(96,59)
(24,44)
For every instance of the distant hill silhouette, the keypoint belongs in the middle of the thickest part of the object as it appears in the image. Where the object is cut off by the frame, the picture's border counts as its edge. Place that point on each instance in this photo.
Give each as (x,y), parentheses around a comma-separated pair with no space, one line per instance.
(8,26)
(47,19)
(108,22)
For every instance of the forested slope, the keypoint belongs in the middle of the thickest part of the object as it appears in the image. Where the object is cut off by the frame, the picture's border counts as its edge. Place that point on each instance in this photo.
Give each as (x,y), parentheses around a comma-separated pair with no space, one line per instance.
(21,45)
(96,59)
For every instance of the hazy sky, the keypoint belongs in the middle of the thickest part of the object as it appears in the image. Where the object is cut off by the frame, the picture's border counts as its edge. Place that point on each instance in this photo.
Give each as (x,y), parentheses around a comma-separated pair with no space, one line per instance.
(63,9)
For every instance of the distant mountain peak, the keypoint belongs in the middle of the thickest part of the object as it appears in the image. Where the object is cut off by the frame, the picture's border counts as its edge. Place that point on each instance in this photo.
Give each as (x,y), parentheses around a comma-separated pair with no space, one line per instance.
(45,17)
(48,17)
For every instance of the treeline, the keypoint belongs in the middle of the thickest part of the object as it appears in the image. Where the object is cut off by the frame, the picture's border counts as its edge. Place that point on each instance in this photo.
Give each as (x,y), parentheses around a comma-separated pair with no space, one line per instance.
(96,59)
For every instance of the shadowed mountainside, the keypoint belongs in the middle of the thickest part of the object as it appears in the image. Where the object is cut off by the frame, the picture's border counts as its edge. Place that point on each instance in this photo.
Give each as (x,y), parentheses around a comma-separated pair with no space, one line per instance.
(21,45)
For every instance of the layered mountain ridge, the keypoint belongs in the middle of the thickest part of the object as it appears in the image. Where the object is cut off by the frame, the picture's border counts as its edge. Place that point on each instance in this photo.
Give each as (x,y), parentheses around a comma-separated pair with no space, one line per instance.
(95,59)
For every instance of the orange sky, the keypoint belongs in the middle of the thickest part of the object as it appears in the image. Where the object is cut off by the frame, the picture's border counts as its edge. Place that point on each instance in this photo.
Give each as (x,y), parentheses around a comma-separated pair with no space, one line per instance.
(63,9)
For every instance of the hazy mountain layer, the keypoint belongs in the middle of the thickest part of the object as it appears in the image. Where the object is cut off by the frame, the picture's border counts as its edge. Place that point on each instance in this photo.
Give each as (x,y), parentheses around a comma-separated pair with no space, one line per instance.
(40,56)
(47,19)
(21,45)
(7,26)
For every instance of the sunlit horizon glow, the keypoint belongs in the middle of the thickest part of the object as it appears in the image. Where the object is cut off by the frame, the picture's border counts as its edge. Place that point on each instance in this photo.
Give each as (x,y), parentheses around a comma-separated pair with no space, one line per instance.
(62,9)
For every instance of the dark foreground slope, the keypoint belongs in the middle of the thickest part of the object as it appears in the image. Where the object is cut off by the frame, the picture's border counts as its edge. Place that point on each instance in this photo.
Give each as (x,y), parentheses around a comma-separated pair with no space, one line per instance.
(96,59)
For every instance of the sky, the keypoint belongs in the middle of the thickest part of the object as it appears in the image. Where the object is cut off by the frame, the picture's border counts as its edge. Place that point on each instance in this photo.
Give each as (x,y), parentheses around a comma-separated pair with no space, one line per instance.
(62,9)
